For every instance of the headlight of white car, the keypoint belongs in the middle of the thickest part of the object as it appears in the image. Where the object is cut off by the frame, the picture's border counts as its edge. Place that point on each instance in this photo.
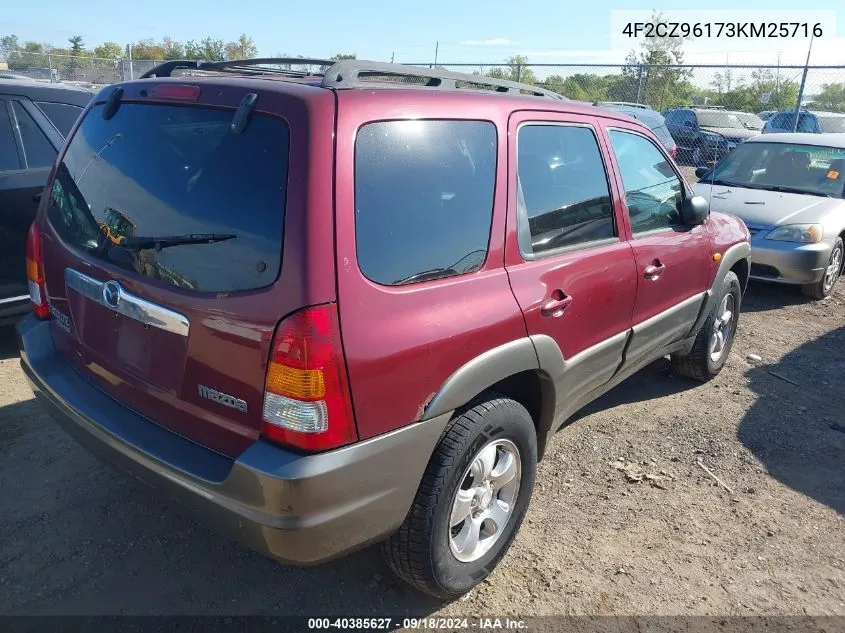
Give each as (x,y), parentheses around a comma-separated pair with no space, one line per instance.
(805,233)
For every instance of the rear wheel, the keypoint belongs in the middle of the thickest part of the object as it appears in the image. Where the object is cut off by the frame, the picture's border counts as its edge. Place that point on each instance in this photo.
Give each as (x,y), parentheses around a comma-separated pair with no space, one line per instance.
(713,343)
(833,271)
(471,501)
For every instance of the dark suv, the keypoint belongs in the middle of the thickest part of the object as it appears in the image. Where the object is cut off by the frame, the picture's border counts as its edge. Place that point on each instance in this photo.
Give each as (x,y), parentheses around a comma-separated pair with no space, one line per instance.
(706,135)
(34,118)
(330,311)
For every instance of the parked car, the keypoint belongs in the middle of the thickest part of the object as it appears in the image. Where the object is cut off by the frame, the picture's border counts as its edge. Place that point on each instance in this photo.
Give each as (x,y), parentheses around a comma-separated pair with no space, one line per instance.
(324,340)
(751,121)
(34,116)
(784,121)
(705,135)
(788,189)
(653,119)
(831,122)
(765,114)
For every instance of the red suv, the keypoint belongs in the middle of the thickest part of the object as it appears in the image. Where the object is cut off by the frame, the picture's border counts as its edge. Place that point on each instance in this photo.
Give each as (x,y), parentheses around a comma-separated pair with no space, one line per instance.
(327,311)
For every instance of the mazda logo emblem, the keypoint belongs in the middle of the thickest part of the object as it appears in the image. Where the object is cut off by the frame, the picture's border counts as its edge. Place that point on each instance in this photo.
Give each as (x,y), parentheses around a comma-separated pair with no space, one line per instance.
(111,294)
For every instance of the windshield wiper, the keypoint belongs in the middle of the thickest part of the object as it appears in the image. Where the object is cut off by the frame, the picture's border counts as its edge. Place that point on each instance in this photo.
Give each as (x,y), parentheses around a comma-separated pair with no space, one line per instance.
(808,192)
(427,275)
(722,183)
(164,241)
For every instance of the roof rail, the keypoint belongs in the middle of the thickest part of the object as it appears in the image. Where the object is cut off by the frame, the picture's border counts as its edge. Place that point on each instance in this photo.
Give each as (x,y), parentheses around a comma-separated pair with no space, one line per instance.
(630,104)
(239,65)
(353,73)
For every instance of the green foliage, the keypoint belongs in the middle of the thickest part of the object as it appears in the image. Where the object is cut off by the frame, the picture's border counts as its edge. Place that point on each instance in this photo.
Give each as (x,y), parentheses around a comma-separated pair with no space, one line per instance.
(172,49)
(209,49)
(242,48)
(783,93)
(108,50)
(831,97)
(515,69)
(8,45)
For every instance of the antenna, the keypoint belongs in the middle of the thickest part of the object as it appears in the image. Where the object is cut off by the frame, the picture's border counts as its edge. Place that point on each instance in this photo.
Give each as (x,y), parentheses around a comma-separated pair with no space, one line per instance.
(803,82)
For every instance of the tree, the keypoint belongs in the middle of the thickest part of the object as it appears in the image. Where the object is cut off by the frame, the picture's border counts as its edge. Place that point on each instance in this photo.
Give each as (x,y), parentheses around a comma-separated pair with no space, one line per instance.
(338,57)
(722,81)
(172,49)
(31,54)
(77,46)
(108,50)
(515,69)
(9,45)
(147,49)
(242,48)
(655,70)
(832,97)
(208,49)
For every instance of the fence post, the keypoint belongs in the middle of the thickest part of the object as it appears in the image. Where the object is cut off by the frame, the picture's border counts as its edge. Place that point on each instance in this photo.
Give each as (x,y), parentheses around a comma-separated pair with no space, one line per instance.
(50,67)
(518,73)
(639,82)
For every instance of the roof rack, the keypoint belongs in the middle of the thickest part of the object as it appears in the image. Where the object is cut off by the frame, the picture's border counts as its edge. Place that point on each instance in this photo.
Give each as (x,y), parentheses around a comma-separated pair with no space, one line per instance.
(630,104)
(353,73)
(251,66)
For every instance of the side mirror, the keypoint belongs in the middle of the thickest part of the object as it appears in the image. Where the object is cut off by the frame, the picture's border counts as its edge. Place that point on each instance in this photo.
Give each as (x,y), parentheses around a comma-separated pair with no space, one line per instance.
(700,171)
(695,210)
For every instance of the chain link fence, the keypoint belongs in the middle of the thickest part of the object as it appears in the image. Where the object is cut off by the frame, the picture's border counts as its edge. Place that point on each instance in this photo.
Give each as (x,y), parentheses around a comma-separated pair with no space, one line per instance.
(708,109)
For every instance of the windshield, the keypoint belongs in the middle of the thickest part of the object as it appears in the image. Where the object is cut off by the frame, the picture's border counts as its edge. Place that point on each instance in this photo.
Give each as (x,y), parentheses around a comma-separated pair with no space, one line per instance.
(162,171)
(811,169)
(751,121)
(835,124)
(718,119)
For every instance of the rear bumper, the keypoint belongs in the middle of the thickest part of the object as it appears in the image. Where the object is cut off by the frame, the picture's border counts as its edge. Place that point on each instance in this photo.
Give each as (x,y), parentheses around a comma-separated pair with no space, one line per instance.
(301,509)
(788,262)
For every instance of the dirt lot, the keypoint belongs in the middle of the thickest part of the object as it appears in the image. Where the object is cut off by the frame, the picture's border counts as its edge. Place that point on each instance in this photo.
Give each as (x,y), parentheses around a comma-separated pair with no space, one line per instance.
(77,538)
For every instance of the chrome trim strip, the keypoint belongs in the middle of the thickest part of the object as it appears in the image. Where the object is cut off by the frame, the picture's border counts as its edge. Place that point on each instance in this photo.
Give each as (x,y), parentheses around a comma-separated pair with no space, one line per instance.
(128,304)
(14,299)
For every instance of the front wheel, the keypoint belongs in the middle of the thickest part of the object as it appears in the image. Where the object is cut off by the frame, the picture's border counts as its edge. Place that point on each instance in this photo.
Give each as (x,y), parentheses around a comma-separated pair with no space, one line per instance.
(471,501)
(832,272)
(713,343)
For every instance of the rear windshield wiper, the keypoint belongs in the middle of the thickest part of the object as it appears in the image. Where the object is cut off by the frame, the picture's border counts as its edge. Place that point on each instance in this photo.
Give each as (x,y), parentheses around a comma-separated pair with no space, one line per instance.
(427,275)
(164,241)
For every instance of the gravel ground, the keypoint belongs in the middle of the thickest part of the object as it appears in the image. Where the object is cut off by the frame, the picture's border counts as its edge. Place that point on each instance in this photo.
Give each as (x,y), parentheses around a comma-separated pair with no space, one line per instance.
(623,520)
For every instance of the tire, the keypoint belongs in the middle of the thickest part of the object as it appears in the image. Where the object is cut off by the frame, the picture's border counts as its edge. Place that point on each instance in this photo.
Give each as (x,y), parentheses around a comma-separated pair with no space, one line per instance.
(825,285)
(702,362)
(422,552)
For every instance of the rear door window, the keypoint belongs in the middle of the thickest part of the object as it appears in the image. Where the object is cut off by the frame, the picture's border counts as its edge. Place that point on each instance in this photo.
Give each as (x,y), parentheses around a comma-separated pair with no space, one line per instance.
(38,150)
(9,159)
(62,115)
(423,198)
(563,191)
(170,193)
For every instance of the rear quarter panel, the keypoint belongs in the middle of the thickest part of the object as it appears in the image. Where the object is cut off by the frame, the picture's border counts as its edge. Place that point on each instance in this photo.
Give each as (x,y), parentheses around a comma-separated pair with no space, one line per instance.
(402,343)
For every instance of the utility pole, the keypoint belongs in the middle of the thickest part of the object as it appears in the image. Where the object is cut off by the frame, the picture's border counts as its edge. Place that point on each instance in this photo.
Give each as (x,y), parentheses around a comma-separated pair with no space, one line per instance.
(436,48)
(391,57)
(803,82)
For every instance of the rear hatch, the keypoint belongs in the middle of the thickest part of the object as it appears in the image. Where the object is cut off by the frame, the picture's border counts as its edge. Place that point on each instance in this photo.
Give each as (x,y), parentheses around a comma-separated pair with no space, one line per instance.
(163,248)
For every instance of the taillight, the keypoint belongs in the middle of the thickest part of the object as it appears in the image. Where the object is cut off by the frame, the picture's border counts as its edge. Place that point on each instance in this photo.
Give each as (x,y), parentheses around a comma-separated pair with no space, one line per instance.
(35,273)
(181,92)
(306,391)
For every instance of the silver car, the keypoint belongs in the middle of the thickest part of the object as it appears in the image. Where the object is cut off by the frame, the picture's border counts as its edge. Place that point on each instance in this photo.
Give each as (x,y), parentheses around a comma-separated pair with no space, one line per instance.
(788,189)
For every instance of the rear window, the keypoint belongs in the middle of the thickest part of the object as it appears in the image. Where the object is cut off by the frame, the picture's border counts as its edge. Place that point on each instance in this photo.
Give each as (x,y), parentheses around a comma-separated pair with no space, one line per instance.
(62,115)
(663,135)
(423,198)
(170,193)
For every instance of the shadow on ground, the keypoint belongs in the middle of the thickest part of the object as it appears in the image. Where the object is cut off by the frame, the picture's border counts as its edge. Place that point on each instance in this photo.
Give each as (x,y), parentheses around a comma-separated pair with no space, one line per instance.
(762,297)
(77,537)
(652,382)
(8,342)
(798,430)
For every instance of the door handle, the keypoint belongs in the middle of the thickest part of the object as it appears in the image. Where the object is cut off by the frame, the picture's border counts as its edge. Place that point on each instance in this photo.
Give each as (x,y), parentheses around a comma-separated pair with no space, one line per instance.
(37,197)
(555,307)
(653,271)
